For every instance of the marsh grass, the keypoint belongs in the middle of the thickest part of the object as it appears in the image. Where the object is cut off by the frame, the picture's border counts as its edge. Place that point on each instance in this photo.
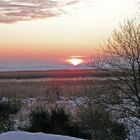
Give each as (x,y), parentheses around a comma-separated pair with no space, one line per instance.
(48,92)
(33,88)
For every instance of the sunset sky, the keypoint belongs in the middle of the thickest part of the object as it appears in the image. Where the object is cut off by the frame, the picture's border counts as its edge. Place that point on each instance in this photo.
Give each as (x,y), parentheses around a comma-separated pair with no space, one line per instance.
(47,32)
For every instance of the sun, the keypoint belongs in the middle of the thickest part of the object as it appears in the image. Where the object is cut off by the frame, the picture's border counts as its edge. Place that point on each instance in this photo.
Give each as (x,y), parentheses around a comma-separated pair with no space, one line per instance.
(75,61)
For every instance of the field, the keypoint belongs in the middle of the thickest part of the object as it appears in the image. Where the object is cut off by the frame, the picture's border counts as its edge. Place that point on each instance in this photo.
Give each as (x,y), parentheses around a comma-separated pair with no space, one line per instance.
(47,88)
(35,83)
(71,89)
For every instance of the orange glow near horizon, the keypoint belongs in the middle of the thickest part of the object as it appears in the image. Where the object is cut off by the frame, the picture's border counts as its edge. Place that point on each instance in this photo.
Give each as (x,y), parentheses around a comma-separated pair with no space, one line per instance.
(78,32)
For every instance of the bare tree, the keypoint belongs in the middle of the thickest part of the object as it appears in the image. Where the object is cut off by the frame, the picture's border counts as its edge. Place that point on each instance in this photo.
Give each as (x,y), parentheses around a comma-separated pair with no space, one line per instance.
(120,62)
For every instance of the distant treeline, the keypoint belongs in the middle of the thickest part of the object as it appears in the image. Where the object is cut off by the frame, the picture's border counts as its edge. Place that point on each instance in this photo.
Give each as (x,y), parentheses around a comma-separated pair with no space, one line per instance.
(56,74)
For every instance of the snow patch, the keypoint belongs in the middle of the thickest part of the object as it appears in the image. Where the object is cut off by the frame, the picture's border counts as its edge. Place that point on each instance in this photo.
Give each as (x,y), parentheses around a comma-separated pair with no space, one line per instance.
(17,135)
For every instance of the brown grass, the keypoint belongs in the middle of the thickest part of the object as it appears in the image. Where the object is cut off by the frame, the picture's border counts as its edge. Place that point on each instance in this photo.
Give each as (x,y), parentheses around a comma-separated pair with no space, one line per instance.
(37,87)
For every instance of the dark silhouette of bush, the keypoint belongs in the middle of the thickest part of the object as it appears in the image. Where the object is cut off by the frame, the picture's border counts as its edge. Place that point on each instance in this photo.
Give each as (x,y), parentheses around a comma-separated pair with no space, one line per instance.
(60,121)
(7,110)
(40,121)
(101,125)
(75,130)
(56,121)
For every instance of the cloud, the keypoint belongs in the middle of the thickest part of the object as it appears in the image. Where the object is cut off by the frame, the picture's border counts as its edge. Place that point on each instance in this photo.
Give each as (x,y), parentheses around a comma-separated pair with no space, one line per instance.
(12,11)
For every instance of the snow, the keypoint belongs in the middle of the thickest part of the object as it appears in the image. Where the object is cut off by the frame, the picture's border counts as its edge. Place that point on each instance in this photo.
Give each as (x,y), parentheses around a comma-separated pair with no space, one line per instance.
(18,135)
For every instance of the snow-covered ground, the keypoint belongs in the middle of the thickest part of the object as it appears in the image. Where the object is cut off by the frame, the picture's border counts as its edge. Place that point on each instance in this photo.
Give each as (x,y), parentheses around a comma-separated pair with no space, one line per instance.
(70,104)
(17,135)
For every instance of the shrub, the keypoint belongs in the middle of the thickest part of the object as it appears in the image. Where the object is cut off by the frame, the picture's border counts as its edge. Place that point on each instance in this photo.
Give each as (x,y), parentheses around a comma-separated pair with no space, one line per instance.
(7,110)
(40,121)
(101,125)
(52,93)
(60,120)
(56,121)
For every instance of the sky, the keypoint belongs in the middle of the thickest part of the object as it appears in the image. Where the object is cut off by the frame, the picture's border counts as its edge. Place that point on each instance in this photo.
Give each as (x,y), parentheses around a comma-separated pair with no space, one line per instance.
(47,32)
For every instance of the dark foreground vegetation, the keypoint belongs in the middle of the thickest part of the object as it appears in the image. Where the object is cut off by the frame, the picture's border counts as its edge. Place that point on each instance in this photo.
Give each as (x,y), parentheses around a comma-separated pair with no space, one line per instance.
(97,124)
(7,111)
